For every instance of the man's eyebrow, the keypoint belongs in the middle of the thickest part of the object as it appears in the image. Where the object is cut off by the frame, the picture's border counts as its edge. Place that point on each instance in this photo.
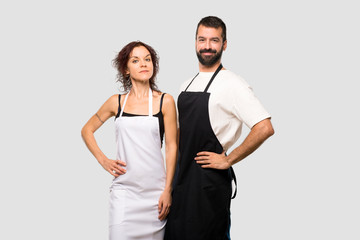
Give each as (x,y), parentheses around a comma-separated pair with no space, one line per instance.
(210,38)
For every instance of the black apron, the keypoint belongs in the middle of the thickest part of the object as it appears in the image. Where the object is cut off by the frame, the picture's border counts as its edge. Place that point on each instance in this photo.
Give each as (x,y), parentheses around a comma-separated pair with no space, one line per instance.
(201,198)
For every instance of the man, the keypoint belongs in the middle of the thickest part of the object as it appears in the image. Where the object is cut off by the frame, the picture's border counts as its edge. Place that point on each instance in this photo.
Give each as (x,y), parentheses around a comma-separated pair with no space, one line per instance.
(212,107)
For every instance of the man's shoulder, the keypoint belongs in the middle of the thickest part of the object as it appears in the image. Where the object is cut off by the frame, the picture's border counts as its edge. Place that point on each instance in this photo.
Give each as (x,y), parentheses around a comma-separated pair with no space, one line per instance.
(232,79)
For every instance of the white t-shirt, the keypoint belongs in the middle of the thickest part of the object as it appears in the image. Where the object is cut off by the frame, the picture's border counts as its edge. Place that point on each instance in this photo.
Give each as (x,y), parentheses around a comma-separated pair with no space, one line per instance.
(231,103)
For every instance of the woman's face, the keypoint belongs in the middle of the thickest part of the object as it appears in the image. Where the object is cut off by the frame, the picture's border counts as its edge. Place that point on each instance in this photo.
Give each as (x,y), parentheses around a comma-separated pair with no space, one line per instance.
(140,65)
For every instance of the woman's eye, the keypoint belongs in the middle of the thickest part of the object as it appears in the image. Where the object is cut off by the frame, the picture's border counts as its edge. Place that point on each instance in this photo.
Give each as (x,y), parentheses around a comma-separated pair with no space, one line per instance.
(148,60)
(135,61)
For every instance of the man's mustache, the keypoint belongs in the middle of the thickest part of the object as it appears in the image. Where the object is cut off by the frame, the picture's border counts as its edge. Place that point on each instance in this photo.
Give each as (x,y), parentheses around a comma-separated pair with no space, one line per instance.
(207,50)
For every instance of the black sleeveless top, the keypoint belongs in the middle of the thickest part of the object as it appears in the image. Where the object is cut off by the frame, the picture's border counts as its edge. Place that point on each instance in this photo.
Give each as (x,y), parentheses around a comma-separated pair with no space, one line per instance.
(159,115)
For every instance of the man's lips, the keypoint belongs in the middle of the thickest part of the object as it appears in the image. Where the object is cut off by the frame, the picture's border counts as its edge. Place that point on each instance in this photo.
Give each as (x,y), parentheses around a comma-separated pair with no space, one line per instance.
(207,51)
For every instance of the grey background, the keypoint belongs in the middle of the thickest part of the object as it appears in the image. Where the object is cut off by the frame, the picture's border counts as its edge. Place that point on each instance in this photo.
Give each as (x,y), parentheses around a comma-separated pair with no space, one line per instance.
(300,57)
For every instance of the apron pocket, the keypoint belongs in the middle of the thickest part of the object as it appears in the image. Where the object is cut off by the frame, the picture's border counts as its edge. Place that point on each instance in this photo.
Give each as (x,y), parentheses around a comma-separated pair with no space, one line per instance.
(117,206)
(214,177)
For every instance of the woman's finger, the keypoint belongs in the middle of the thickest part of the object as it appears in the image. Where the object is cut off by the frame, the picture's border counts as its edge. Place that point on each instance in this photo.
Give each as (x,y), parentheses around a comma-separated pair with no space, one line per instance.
(113,172)
(121,163)
(119,169)
(160,206)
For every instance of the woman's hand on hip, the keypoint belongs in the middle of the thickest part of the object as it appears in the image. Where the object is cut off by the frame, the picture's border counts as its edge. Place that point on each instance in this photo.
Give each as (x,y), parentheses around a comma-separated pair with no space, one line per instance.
(114,167)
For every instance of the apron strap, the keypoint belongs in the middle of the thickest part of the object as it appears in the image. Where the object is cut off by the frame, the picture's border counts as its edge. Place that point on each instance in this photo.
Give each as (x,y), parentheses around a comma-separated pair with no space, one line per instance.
(213,77)
(233,177)
(191,82)
(150,103)
(123,106)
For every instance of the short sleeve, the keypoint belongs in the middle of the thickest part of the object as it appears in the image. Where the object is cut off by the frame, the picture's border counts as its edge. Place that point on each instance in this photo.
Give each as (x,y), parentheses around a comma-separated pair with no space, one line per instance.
(246,106)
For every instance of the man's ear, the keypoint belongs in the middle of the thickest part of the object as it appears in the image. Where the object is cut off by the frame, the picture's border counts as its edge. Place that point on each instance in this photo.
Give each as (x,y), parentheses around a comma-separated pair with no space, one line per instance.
(224,45)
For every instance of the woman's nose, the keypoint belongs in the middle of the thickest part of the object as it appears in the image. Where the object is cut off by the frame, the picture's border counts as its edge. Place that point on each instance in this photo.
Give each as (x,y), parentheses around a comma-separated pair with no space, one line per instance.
(143,63)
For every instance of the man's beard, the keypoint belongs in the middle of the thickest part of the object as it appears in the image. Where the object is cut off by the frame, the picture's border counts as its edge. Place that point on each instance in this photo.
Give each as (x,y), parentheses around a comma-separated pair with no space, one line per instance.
(209,60)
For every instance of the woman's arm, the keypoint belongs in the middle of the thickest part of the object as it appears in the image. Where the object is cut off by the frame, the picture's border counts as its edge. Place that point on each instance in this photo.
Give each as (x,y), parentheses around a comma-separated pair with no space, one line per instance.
(107,110)
(170,125)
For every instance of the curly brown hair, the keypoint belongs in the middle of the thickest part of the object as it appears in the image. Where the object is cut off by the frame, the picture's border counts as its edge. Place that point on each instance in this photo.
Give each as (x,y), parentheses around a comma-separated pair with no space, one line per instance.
(122,58)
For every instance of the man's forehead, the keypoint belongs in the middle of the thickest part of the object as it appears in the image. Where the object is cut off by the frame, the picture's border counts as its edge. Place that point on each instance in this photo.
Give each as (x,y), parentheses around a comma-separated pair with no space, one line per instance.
(211,33)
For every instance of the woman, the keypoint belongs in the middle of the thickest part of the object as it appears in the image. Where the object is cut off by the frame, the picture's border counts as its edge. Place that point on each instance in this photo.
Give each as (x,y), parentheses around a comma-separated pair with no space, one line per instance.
(140,196)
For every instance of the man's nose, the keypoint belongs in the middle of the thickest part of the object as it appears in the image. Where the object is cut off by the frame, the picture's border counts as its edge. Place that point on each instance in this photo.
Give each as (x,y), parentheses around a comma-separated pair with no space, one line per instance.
(207,44)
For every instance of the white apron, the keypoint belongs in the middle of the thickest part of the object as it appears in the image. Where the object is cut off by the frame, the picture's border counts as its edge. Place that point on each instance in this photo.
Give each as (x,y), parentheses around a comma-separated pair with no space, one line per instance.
(134,196)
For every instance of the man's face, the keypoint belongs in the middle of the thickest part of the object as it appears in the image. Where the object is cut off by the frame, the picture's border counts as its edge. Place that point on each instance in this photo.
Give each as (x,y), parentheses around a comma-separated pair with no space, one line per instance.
(209,45)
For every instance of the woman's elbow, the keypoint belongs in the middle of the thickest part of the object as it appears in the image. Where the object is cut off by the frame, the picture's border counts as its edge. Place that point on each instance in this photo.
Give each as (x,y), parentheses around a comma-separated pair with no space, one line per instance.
(84,132)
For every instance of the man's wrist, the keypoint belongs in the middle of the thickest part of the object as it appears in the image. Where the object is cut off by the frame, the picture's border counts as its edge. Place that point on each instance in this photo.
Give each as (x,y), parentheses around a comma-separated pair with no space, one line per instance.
(229,160)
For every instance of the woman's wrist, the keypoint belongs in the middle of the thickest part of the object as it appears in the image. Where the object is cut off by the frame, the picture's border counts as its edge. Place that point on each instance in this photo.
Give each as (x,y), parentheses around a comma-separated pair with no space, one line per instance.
(168,189)
(101,159)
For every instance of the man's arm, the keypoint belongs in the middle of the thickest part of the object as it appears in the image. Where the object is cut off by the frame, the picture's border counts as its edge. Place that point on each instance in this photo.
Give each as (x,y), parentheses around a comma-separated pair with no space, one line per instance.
(258,134)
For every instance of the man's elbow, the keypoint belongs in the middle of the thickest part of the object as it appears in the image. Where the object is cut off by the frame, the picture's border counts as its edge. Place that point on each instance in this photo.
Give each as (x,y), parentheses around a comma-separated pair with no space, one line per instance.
(270,131)
(266,128)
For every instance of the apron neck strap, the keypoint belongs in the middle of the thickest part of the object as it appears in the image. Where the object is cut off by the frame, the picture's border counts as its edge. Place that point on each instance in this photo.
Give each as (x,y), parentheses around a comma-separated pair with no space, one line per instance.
(191,82)
(123,106)
(212,78)
(150,103)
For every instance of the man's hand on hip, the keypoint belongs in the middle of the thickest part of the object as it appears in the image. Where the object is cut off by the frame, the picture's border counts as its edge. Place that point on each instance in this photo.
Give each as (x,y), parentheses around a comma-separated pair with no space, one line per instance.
(212,160)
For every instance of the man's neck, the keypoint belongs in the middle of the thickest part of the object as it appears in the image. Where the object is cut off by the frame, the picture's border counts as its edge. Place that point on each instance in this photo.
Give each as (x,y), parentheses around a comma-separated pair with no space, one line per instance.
(212,68)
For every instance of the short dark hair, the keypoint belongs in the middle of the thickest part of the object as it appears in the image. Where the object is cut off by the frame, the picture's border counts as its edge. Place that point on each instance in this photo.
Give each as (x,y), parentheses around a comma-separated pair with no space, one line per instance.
(214,22)
(122,58)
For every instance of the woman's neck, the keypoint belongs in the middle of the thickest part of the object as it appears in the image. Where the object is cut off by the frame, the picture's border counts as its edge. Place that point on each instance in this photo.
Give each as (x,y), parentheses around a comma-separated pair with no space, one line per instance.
(140,90)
